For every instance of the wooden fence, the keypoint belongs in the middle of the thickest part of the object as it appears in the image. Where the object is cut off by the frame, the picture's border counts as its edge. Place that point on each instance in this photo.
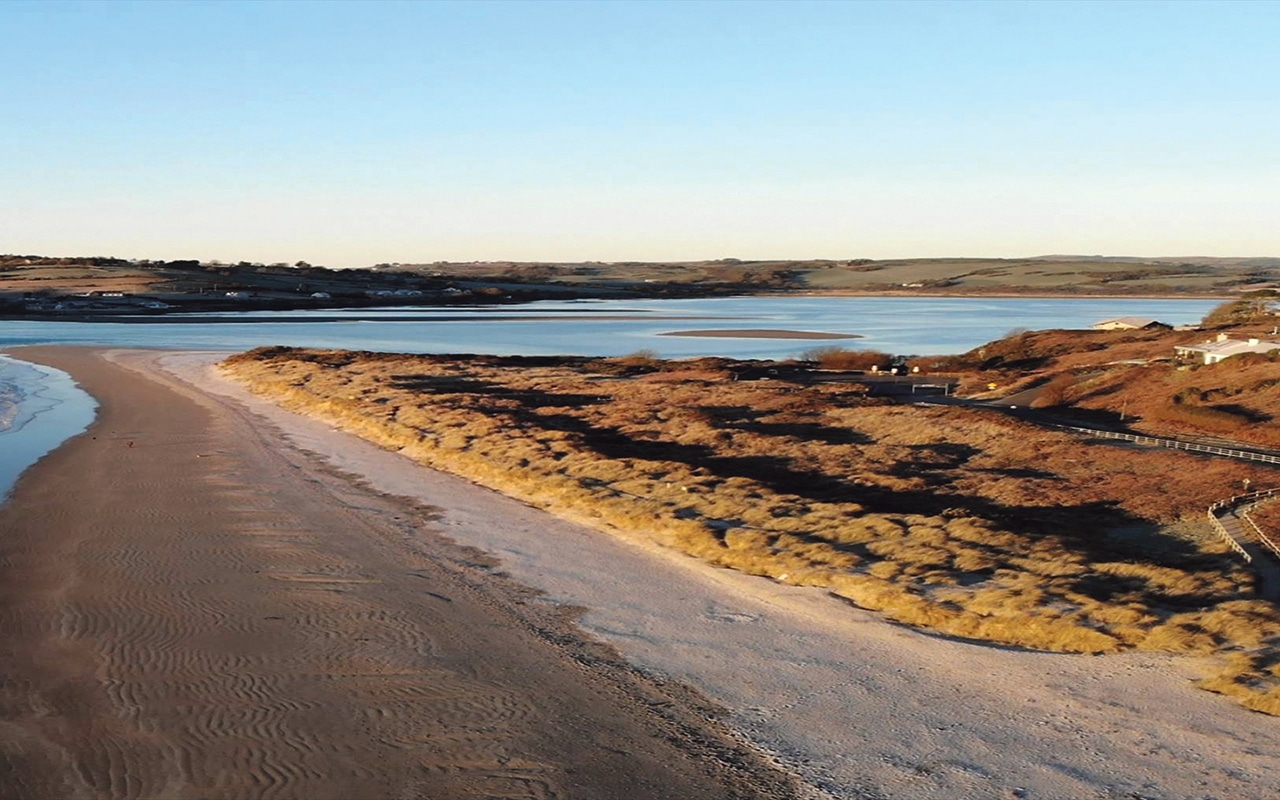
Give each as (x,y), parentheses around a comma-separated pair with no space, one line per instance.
(1240,504)
(1174,444)
(1243,514)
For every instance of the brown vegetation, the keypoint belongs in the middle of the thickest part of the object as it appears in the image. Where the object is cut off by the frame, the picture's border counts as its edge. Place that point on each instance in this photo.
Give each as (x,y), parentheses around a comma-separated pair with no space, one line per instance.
(1267,517)
(1132,377)
(1052,275)
(1252,308)
(505,280)
(959,520)
(839,358)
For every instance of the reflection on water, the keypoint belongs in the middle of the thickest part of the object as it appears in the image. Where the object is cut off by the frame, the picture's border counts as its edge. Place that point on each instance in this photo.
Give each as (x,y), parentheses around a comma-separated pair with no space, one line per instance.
(900,325)
(39,409)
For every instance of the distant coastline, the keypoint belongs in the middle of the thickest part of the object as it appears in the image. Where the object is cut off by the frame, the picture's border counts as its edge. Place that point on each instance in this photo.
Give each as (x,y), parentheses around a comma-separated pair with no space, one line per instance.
(100,288)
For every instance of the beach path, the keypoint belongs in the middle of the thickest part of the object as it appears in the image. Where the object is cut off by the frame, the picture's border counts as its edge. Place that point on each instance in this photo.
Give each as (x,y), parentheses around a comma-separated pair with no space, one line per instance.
(192,609)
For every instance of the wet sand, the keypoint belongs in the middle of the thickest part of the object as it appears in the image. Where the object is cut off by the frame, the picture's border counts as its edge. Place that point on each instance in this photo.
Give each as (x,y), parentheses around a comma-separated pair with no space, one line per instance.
(194,609)
(853,705)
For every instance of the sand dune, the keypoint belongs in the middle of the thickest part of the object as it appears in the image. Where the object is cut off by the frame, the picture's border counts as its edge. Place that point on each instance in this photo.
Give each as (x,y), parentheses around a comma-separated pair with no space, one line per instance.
(283,630)
(192,609)
(854,705)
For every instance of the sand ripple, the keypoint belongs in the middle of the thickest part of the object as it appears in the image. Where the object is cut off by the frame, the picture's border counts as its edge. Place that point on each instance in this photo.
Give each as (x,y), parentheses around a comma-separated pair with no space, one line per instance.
(208,614)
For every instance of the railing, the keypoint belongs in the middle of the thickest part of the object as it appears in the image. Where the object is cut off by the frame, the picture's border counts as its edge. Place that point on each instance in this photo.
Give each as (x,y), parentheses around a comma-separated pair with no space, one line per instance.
(1254,499)
(1243,502)
(1267,543)
(1226,535)
(1175,444)
(1232,502)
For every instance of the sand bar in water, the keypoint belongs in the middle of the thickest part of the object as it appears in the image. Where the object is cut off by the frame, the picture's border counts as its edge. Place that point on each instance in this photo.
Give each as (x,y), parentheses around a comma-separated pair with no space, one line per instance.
(762,333)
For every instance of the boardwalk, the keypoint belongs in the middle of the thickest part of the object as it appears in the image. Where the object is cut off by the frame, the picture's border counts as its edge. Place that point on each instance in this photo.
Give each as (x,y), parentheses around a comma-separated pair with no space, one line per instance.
(1231,519)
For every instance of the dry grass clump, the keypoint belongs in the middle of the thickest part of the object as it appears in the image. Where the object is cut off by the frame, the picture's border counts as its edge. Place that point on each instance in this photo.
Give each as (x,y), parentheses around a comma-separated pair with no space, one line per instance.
(1236,398)
(1267,518)
(839,358)
(1132,375)
(1253,679)
(963,521)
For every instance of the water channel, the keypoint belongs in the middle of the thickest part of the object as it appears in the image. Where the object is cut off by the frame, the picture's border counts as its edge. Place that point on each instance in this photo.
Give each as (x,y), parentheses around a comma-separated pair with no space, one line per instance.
(40,408)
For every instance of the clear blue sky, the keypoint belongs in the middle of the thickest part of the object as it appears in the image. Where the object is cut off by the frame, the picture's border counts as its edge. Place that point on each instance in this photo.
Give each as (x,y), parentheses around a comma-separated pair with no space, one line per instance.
(354,133)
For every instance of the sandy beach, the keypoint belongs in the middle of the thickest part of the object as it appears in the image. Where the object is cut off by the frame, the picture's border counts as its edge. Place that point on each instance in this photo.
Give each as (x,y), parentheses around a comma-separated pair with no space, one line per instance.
(246,603)
(193,609)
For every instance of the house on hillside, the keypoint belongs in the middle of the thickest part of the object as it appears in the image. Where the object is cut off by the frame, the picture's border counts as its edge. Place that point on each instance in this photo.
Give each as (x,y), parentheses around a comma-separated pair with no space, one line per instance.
(1215,350)
(1129,324)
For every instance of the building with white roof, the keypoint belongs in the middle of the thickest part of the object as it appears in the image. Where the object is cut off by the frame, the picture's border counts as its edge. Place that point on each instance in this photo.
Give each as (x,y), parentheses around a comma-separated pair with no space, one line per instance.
(1128,324)
(1215,350)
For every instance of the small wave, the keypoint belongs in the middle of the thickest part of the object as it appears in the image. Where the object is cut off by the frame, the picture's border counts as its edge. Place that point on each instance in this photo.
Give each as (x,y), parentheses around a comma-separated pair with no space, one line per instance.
(10,399)
(25,393)
(39,409)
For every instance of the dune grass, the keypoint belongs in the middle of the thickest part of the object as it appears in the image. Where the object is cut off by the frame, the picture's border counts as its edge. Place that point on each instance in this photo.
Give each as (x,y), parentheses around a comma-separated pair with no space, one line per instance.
(1132,376)
(961,521)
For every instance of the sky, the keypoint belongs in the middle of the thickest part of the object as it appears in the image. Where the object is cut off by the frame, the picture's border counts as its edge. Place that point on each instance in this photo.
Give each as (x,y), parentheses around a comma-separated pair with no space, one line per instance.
(348,134)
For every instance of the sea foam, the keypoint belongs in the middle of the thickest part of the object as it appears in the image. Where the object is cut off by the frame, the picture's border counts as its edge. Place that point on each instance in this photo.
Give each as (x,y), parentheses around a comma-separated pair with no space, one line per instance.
(40,408)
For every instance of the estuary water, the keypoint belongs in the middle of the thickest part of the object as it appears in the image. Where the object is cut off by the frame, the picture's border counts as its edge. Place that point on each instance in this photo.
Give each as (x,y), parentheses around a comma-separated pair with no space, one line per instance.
(899,325)
(40,408)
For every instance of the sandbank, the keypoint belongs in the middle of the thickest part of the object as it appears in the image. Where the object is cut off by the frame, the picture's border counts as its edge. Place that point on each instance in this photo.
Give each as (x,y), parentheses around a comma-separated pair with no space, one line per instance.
(194,609)
(762,333)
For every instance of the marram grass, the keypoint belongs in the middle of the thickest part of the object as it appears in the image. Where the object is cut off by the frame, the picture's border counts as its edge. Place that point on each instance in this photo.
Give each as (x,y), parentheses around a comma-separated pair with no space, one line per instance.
(963,522)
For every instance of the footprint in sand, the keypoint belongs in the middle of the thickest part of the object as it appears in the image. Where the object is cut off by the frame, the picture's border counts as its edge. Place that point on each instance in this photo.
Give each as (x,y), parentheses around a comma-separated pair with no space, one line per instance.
(731,616)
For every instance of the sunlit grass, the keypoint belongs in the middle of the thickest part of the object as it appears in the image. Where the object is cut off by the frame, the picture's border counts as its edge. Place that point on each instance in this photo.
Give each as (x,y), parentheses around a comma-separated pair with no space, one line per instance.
(961,521)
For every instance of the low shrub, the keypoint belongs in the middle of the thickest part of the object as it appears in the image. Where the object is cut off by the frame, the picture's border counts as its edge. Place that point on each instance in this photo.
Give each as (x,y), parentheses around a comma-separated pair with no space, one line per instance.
(963,521)
(1201,417)
(839,358)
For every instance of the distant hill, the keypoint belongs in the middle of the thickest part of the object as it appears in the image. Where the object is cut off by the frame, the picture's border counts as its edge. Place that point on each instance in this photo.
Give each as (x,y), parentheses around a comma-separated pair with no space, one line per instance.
(1040,275)
(1204,261)
(105,284)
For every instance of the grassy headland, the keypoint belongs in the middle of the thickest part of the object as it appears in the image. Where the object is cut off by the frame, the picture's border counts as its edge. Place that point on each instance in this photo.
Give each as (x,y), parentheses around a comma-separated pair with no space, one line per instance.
(90,287)
(960,520)
(1132,379)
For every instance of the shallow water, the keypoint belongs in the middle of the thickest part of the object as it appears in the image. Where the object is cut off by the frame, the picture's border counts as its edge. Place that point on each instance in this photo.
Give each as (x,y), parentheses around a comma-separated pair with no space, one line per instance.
(899,325)
(40,408)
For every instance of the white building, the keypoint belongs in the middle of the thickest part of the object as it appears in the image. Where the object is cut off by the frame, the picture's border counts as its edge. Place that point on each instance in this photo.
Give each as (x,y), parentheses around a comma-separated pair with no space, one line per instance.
(1128,324)
(1215,350)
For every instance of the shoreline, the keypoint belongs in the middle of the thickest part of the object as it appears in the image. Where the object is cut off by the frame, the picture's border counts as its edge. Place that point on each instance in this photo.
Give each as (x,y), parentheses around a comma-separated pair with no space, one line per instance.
(842,697)
(174,630)
(55,410)
(207,316)
(453,316)
(855,705)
